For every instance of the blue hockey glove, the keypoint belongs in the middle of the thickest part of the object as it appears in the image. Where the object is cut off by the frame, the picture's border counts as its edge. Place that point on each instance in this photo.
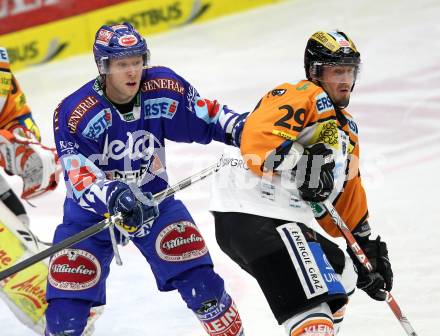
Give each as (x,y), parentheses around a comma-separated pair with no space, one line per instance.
(138,216)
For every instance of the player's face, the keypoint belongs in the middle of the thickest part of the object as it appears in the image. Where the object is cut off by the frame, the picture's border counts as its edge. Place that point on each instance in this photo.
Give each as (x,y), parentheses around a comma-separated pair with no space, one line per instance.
(337,81)
(123,79)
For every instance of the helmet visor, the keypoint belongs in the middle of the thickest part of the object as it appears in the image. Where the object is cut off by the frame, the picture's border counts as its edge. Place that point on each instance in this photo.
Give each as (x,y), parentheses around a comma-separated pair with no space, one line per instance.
(335,72)
(118,65)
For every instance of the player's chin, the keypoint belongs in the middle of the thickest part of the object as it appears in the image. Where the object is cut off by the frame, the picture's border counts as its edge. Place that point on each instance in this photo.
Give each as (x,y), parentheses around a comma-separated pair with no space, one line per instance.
(343,100)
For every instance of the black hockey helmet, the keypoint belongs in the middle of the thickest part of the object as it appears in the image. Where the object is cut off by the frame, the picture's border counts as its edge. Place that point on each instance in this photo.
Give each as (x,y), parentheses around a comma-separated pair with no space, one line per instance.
(332,48)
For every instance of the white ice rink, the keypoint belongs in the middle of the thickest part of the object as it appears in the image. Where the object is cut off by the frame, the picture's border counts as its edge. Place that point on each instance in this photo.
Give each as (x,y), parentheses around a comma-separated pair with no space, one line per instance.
(238,59)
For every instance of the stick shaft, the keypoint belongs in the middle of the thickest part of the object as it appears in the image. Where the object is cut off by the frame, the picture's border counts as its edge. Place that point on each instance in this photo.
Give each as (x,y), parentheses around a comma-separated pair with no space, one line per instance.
(363,259)
(76,238)
(186,182)
(102,225)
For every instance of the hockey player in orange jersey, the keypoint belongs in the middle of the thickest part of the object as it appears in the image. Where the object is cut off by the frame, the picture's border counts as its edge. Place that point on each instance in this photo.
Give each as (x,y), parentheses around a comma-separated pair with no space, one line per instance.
(20,150)
(21,154)
(300,145)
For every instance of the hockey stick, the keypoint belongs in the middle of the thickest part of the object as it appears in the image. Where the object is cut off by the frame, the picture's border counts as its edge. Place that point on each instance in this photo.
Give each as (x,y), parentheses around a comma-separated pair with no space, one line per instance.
(98,227)
(360,255)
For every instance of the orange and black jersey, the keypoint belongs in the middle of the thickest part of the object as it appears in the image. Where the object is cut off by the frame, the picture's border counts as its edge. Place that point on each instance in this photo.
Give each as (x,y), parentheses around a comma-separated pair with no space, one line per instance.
(302,112)
(13,108)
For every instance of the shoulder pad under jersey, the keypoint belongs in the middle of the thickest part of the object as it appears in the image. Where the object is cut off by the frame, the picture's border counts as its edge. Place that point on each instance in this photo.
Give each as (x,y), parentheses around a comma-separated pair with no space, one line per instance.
(75,107)
(162,78)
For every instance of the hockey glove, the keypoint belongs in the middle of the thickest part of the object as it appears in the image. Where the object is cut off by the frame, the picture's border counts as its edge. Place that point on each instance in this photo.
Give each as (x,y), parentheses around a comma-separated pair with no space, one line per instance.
(138,216)
(36,164)
(378,281)
(314,173)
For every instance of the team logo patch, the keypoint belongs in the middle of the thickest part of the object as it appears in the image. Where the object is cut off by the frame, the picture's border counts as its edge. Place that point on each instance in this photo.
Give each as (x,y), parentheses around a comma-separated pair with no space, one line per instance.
(303,87)
(104,37)
(213,309)
(229,324)
(129,117)
(191,97)
(314,327)
(80,111)
(323,103)
(328,133)
(68,147)
(353,126)
(207,110)
(119,26)
(340,39)
(284,135)
(163,84)
(98,124)
(303,260)
(344,43)
(278,92)
(207,306)
(317,209)
(180,241)
(222,319)
(160,107)
(73,270)
(128,40)
(81,172)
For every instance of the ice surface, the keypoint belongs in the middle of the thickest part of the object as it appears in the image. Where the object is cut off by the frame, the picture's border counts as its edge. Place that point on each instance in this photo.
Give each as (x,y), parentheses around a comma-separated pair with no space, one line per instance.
(238,59)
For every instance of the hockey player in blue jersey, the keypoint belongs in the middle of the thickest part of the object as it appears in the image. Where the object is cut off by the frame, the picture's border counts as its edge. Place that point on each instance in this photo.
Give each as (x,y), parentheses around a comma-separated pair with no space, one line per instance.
(110,136)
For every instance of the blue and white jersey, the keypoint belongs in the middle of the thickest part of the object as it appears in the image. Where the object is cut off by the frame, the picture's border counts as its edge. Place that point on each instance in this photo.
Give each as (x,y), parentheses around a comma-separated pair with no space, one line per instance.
(98,145)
